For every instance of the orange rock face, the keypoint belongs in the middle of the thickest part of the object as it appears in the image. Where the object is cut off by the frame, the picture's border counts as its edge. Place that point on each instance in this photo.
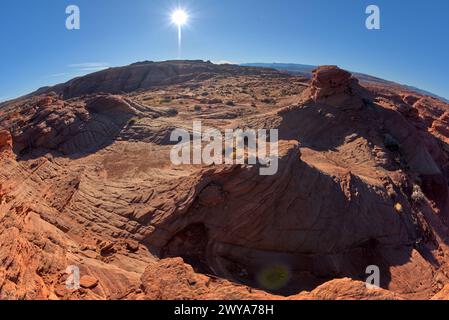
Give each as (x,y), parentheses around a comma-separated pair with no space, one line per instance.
(88,185)
(5,141)
(88,282)
(330,80)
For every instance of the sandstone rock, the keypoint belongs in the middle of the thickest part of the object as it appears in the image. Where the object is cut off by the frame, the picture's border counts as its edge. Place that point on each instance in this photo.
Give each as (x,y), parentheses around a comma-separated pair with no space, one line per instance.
(61,290)
(93,186)
(88,282)
(132,246)
(410,99)
(330,80)
(347,289)
(443,294)
(109,104)
(172,279)
(5,141)
(211,196)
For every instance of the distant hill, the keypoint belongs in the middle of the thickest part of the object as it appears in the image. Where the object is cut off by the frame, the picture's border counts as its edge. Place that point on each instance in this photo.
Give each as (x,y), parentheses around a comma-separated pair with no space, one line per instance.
(306,71)
(148,74)
(297,69)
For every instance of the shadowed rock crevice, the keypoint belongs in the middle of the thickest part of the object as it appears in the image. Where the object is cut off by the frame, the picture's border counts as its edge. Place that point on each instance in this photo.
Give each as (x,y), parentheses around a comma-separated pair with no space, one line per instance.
(191,245)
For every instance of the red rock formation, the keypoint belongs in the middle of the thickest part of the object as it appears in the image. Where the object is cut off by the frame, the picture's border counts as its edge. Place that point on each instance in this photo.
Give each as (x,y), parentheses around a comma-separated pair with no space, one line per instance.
(5,141)
(362,181)
(333,86)
(330,80)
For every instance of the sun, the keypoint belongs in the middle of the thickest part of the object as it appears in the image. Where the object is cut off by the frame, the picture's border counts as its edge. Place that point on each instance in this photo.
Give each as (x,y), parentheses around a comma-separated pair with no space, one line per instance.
(179,17)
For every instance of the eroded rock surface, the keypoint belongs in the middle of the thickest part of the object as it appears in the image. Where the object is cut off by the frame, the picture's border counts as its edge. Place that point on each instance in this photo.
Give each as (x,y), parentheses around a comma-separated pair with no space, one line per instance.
(86,180)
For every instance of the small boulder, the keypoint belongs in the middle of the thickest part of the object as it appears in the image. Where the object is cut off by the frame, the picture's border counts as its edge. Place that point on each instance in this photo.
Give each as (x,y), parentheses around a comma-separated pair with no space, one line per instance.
(109,104)
(88,282)
(410,99)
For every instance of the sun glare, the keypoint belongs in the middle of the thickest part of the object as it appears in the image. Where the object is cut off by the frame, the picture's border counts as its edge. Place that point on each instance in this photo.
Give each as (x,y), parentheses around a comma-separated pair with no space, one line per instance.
(179,17)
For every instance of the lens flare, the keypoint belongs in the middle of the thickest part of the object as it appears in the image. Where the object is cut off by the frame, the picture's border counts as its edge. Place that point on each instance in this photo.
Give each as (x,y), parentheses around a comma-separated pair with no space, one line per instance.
(179,17)
(274,277)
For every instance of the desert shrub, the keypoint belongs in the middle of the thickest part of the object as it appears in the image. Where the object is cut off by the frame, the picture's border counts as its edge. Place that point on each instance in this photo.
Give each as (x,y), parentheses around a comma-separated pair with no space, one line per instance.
(417,194)
(197,108)
(172,112)
(230,103)
(215,101)
(166,100)
(392,194)
(269,101)
(133,121)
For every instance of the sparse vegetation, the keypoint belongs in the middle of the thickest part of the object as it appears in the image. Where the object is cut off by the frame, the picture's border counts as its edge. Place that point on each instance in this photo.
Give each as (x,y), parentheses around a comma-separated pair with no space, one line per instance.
(132,121)
(166,100)
(417,194)
(269,101)
(215,101)
(172,112)
(392,194)
(197,108)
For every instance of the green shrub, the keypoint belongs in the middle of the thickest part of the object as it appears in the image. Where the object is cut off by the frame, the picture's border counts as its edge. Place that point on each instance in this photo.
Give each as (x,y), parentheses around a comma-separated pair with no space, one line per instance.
(166,100)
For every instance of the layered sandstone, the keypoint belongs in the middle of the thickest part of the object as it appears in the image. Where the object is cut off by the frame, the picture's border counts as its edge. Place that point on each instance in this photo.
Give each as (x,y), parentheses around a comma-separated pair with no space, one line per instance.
(88,182)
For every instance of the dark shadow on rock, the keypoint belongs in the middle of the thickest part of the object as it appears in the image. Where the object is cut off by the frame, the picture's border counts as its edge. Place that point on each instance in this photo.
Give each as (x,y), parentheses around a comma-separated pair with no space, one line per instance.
(289,232)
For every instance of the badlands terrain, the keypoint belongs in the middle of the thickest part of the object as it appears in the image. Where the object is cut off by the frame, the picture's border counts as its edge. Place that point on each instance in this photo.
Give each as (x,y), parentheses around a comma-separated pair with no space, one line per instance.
(86,180)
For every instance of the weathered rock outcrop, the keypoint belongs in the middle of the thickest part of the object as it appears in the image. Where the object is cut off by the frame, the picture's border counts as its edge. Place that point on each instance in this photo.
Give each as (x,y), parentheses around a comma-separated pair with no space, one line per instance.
(172,279)
(5,141)
(347,289)
(331,80)
(331,85)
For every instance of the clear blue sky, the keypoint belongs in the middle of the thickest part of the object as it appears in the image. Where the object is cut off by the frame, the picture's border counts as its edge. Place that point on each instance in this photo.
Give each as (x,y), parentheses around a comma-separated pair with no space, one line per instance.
(412,47)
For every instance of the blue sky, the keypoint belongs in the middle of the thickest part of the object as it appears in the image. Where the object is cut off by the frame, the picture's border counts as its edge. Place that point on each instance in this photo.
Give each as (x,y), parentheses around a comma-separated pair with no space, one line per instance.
(412,46)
